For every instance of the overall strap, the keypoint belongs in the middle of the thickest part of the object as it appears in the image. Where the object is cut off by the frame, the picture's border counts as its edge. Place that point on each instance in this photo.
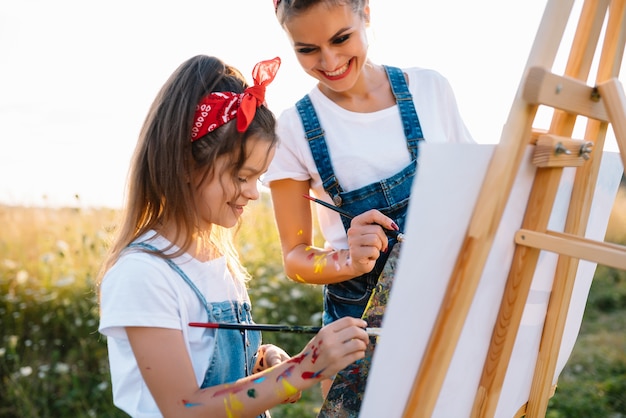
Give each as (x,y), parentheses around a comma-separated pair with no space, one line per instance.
(180,272)
(404,99)
(315,135)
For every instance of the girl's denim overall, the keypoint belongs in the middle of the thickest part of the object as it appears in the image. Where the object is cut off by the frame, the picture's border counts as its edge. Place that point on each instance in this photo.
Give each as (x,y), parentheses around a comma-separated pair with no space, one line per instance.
(390,196)
(235,351)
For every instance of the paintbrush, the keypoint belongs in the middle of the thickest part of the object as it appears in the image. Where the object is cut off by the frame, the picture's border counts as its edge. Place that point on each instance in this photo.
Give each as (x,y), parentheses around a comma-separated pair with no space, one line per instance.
(399,236)
(298,329)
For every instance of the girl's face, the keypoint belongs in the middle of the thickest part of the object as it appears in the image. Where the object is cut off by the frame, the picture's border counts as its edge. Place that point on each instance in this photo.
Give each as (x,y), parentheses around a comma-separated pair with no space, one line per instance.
(219,200)
(330,43)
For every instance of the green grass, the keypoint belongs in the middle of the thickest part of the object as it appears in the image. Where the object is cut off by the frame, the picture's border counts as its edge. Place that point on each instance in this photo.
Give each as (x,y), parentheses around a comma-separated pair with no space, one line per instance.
(53,362)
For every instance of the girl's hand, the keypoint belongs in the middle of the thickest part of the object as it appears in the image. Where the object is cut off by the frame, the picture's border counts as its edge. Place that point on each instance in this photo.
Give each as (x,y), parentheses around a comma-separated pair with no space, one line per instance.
(366,239)
(269,356)
(336,346)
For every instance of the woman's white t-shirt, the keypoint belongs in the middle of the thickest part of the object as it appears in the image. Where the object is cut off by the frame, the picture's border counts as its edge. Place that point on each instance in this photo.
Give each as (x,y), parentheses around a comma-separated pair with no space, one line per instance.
(364,147)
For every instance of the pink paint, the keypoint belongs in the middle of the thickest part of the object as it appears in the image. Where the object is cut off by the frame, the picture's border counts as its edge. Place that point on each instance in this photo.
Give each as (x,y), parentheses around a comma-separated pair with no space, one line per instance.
(316,352)
(232,390)
(312,375)
(286,373)
(298,359)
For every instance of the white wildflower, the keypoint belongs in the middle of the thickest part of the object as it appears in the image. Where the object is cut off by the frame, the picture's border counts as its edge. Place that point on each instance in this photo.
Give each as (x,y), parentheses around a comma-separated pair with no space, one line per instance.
(62,246)
(21,277)
(65,281)
(9,264)
(62,368)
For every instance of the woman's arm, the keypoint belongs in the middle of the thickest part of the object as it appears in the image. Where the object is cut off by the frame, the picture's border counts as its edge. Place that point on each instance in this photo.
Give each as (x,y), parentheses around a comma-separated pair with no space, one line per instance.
(168,373)
(306,263)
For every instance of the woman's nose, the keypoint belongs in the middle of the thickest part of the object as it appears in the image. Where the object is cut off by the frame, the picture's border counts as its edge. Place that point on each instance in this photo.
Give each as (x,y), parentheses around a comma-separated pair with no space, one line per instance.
(329,60)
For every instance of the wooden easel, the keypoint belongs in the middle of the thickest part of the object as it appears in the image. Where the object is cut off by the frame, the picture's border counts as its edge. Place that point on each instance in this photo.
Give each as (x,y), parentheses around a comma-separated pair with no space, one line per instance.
(570,96)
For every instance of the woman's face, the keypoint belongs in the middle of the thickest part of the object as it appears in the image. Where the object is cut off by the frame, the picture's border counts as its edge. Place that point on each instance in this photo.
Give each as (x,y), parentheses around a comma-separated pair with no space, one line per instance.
(219,200)
(330,43)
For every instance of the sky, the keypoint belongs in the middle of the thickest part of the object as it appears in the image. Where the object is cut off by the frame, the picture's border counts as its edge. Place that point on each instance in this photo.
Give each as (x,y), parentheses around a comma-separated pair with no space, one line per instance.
(78,76)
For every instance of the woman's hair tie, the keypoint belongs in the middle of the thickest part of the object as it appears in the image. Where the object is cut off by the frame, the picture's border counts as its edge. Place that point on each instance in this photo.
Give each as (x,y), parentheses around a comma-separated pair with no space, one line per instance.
(218,108)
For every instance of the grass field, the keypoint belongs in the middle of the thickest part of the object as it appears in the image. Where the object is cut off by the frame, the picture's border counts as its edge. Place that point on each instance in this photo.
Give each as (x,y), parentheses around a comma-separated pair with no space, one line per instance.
(53,362)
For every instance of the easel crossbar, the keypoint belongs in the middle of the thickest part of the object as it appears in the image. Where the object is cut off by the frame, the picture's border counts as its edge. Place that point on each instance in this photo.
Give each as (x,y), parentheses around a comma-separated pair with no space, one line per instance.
(607,254)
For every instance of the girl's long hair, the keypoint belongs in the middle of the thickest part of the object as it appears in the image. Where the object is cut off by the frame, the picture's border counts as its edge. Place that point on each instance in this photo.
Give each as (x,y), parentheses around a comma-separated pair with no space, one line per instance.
(160,190)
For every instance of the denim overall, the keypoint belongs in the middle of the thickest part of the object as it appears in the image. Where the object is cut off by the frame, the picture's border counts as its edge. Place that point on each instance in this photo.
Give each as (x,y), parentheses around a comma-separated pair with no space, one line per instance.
(390,196)
(235,351)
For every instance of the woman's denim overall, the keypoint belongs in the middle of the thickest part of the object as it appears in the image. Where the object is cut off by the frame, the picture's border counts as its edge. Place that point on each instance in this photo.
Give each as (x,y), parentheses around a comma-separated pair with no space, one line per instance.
(390,196)
(234,351)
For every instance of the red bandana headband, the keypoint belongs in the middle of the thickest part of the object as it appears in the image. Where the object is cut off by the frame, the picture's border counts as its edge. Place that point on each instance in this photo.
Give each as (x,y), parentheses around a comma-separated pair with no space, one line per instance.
(218,108)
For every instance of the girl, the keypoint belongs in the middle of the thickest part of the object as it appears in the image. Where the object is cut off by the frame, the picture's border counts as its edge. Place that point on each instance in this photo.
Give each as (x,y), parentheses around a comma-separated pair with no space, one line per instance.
(207,139)
(352,141)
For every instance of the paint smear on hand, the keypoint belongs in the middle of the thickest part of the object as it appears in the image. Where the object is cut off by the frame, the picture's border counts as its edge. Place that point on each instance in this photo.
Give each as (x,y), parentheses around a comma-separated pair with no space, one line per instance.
(232,389)
(319,263)
(316,353)
(336,261)
(298,359)
(288,389)
(234,407)
(286,373)
(312,375)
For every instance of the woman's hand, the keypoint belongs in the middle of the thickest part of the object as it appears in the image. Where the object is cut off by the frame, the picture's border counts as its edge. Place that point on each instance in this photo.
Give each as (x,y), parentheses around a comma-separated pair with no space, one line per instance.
(367,239)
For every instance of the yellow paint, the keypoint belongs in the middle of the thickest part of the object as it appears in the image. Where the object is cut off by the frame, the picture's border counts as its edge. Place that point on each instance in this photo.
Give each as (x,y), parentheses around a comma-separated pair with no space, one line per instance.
(288,389)
(300,279)
(234,407)
(319,262)
(300,232)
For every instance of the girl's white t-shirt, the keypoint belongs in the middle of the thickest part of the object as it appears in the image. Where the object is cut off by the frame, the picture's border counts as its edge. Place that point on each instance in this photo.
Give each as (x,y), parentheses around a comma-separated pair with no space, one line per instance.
(143,290)
(364,147)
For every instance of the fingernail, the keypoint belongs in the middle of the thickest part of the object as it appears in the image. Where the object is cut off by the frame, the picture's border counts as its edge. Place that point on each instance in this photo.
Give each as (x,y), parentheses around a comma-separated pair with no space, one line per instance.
(395,226)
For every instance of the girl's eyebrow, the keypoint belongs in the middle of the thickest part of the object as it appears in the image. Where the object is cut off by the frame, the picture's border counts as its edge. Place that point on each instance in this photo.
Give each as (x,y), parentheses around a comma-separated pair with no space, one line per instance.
(251,170)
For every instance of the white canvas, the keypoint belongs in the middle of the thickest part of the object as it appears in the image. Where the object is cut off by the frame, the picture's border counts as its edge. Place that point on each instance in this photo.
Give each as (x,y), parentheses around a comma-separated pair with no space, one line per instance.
(443,197)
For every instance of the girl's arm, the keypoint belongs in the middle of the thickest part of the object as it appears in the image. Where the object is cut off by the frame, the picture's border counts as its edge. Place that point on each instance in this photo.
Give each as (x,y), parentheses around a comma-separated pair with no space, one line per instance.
(168,373)
(306,263)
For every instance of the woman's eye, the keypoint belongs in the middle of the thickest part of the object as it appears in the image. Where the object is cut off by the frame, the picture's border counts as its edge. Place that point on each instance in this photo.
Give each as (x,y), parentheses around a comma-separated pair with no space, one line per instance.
(306,50)
(242,179)
(341,39)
